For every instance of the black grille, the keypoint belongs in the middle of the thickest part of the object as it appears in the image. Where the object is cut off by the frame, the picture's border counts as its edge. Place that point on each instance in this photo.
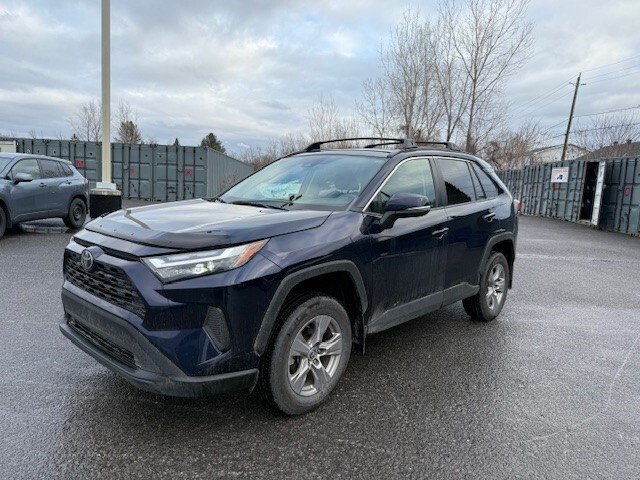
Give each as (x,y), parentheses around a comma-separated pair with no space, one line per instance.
(120,354)
(104,281)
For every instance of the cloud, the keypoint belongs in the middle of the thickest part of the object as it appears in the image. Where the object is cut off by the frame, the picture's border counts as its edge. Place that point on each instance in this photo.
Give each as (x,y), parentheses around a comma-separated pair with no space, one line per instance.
(249,70)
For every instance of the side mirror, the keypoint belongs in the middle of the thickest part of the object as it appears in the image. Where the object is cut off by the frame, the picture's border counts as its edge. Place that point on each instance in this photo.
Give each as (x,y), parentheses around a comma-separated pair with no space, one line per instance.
(22,177)
(404,205)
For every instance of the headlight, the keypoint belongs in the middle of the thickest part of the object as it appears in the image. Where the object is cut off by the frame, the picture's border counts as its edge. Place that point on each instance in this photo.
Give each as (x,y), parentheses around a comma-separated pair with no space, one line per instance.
(186,265)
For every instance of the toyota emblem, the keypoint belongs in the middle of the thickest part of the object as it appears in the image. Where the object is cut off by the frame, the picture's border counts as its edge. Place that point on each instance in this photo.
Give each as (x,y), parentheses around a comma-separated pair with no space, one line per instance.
(86,260)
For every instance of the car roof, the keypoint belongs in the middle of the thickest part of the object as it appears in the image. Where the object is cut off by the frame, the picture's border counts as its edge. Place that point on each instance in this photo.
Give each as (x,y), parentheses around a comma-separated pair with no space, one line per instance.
(12,155)
(406,153)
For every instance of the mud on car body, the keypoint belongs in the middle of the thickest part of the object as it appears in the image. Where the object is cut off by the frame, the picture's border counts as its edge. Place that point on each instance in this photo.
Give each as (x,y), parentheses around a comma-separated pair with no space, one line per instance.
(273,284)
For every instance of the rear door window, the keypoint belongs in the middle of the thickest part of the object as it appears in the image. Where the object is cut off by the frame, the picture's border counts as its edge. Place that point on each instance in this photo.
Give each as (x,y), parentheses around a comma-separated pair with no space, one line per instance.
(457,181)
(50,168)
(28,166)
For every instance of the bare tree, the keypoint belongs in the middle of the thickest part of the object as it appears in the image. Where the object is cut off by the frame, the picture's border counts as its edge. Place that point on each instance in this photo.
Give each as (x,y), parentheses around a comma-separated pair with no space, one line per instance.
(325,122)
(275,148)
(407,88)
(608,130)
(127,130)
(509,149)
(86,124)
(375,109)
(451,79)
(491,39)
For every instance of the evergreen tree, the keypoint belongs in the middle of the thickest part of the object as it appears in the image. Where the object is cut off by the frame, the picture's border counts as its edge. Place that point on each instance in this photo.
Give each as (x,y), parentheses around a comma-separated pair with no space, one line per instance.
(212,141)
(128,132)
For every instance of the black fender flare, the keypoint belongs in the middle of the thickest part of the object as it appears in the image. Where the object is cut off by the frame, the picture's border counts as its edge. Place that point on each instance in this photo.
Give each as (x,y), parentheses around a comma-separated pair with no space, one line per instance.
(293,279)
(497,238)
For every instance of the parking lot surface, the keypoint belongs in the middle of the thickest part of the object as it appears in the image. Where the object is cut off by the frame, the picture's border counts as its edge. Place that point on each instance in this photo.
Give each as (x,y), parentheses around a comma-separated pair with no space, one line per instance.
(551,389)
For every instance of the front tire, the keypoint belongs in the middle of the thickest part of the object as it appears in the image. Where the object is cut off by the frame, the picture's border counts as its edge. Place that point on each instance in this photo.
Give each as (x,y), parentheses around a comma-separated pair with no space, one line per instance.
(308,356)
(487,304)
(77,214)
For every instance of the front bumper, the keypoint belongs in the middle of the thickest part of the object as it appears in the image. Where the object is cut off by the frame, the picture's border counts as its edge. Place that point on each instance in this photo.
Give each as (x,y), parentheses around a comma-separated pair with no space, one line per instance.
(119,346)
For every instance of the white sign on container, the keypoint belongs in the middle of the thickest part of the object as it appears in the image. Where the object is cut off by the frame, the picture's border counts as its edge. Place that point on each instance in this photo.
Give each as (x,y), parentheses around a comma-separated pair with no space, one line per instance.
(560,175)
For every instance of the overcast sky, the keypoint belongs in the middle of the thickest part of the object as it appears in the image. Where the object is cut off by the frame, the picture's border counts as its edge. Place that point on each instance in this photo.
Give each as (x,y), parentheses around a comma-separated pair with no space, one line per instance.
(248,70)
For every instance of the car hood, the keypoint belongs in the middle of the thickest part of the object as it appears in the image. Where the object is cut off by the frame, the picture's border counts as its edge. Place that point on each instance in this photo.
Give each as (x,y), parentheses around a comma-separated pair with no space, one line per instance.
(201,224)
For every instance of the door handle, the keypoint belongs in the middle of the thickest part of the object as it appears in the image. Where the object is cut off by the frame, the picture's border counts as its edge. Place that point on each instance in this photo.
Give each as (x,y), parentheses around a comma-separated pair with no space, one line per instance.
(489,217)
(42,185)
(440,233)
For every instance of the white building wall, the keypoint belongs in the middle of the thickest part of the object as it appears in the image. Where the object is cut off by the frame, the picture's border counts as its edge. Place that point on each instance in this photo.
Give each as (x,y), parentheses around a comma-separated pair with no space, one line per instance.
(554,154)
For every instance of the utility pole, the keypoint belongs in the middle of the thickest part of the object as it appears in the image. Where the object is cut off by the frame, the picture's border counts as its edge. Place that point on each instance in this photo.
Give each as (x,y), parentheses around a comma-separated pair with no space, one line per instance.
(105,198)
(573,106)
(106,91)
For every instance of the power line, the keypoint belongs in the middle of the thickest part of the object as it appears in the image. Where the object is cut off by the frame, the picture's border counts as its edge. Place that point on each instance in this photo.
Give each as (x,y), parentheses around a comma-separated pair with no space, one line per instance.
(601,128)
(613,72)
(530,103)
(607,111)
(550,92)
(612,63)
(586,115)
(615,78)
(533,108)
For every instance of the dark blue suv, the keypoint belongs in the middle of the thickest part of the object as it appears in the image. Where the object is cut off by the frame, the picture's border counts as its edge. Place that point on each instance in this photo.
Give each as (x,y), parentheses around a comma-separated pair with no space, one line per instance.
(275,282)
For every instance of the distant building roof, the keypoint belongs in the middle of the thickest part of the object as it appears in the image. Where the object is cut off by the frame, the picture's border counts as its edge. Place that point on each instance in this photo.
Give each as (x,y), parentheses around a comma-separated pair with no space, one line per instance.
(627,149)
(552,153)
(552,147)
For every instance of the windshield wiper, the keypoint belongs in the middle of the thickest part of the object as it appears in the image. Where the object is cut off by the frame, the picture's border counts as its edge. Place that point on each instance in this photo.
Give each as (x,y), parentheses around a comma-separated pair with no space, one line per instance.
(214,199)
(251,203)
(291,200)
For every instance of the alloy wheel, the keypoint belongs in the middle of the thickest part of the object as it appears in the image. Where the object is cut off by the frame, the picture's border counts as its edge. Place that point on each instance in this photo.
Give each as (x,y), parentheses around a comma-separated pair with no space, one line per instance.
(495,286)
(314,355)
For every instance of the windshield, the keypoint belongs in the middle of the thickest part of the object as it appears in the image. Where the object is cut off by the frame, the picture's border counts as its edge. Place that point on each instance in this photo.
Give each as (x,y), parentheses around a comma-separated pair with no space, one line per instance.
(4,162)
(308,181)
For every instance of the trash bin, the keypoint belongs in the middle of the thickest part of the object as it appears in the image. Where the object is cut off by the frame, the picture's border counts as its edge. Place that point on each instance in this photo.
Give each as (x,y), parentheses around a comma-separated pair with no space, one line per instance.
(104,200)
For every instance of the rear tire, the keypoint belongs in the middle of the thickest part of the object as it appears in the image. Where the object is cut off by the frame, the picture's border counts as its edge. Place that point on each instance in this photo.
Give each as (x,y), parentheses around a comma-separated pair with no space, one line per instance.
(487,304)
(3,222)
(77,214)
(308,356)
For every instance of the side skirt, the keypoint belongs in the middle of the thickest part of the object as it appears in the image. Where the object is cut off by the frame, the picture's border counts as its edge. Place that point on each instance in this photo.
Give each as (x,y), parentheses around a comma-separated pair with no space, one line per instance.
(421,306)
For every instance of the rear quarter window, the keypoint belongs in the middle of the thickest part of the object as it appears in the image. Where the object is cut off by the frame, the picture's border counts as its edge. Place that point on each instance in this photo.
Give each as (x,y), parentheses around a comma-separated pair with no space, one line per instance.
(66,169)
(489,186)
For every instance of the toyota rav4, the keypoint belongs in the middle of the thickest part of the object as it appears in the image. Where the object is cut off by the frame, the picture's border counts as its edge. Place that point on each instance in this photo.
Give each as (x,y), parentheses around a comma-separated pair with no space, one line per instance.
(274,283)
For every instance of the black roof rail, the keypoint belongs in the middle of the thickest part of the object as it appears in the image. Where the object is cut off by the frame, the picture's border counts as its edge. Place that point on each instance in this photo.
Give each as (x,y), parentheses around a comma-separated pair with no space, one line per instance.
(405,142)
(447,145)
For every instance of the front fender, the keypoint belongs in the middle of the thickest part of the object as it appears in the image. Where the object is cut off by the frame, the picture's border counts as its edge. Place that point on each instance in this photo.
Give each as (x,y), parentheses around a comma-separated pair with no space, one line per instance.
(293,279)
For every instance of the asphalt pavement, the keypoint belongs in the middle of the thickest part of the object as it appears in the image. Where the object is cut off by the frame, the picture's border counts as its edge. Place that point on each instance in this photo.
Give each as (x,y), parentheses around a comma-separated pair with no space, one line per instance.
(551,389)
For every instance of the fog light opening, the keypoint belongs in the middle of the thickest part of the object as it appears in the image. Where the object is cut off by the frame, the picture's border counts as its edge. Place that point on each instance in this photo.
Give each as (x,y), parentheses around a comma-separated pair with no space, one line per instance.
(215,325)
